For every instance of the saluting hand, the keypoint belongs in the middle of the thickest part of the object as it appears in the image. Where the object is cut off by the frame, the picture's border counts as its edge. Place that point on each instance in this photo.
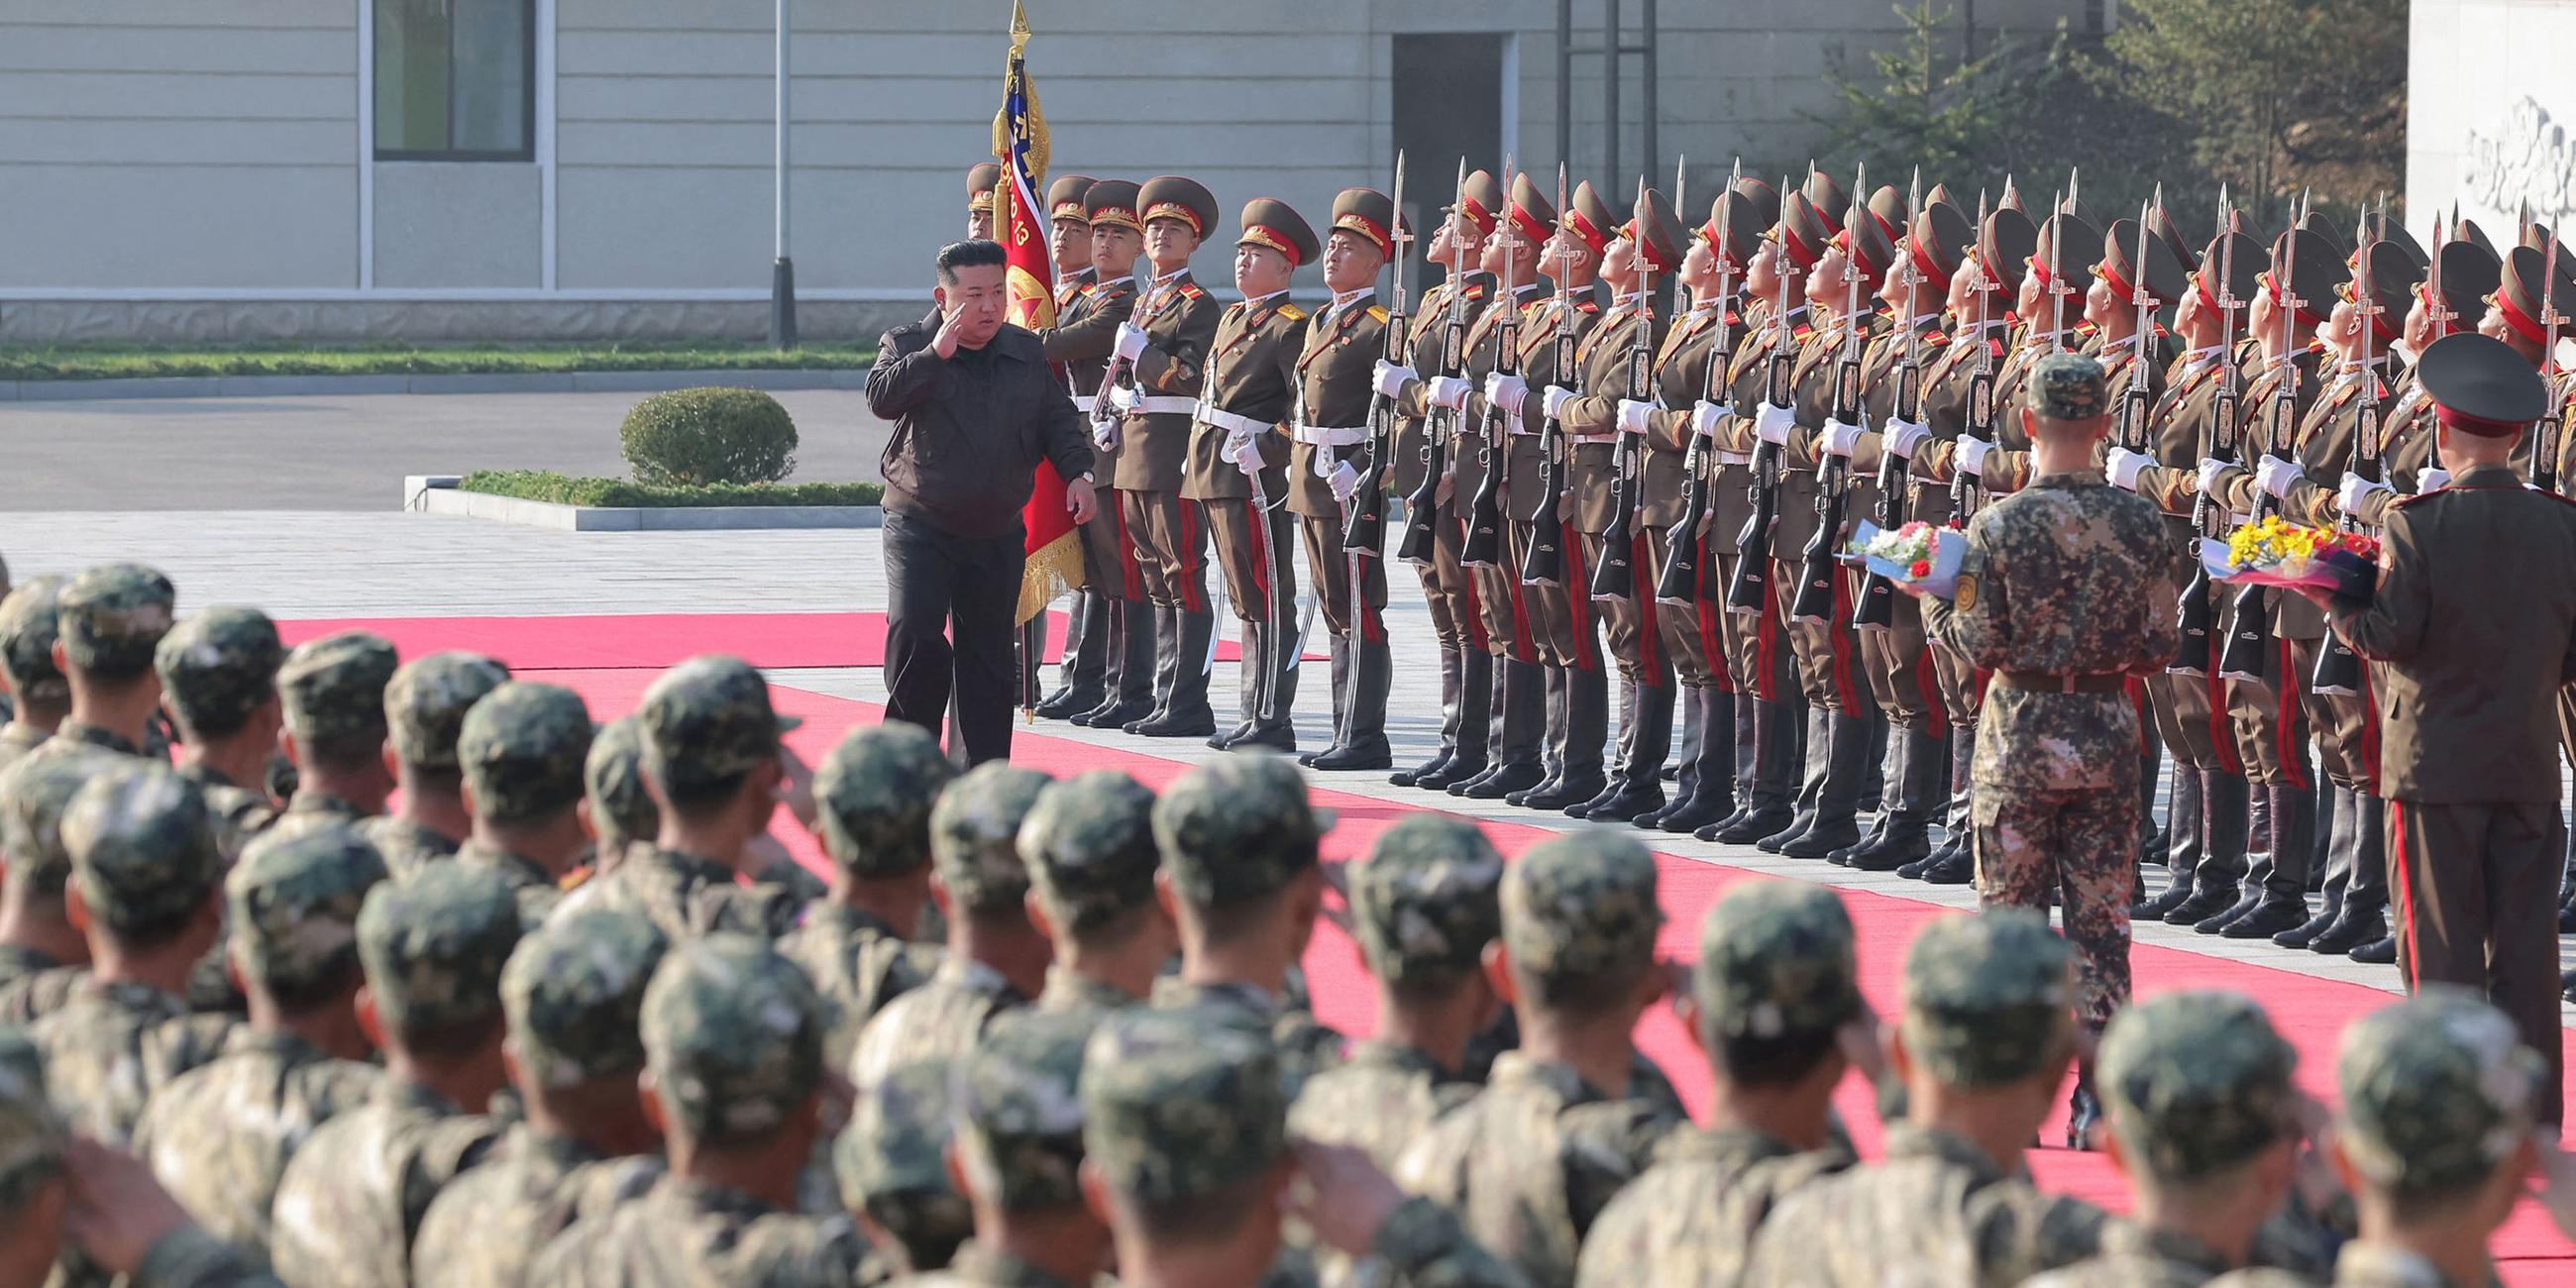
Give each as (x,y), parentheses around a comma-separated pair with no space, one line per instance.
(950,328)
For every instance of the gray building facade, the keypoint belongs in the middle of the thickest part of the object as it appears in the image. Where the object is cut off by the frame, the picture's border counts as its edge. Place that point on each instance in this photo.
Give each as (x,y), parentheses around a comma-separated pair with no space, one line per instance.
(426,169)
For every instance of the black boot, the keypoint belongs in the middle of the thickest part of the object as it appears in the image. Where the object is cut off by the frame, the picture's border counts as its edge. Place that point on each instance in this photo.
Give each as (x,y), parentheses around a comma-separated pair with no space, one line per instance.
(2337,817)
(1248,673)
(1186,713)
(1956,821)
(1363,741)
(2283,904)
(1275,696)
(1522,691)
(1768,807)
(1639,785)
(2083,1112)
(1819,749)
(1685,779)
(1086,658)
(1475,722)
(1922,766)
(2353,926)
(1838,802)
(1167,648)
(1451,671)
(1713,792)
(2224,819)
(2378,952)
(2184,833)
(1580,775)
(1552,756)
(1127,686)
(1341,654)
(1891,774)
(1748,753)
(1875,769)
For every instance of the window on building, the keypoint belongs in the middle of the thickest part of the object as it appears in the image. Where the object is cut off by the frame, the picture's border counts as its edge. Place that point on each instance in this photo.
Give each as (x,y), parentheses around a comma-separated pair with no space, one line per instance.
(455,79)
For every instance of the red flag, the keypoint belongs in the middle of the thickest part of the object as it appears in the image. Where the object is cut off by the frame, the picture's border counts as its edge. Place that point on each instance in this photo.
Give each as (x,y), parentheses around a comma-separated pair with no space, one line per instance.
(1053,547)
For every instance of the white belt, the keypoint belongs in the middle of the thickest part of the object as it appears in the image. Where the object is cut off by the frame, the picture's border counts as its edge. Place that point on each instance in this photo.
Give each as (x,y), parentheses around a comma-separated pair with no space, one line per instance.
(1082,403)
(1734,458)
(1329,435)
(1594,440)
(1164,405)
(2241,518)
(1207,413)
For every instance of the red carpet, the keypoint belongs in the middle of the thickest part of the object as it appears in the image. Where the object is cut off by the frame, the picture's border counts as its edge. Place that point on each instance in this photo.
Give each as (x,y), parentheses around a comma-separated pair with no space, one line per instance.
(656,640)
(2310,1012)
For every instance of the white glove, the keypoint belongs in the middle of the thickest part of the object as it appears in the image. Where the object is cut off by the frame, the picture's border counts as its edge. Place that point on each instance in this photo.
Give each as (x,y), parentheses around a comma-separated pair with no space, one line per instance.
(1244,449)
(1344,481)
(1904,437)
(1632,416)
(1704,417)
(1557,397)
(1126,397)
(2275,475)
(1971,457)
(1131,341)
(1104,435)
(2125,465)
(1773,424)
(2355,490)
(2210,472)
(1391,379)
(1450,392)
(1840,439)
(2433,479)
(1506,391)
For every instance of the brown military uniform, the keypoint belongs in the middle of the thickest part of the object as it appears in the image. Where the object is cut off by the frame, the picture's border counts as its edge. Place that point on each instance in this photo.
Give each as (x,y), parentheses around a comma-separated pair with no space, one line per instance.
(1591,425)
(1167,532)
(1251,390)
(1088,313)
(1758,657)
(1562,623)
(1338,350)
(1466,679)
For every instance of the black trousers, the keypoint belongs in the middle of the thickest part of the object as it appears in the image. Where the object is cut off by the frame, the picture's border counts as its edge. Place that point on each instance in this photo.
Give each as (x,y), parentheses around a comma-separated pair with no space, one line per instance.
(949,603)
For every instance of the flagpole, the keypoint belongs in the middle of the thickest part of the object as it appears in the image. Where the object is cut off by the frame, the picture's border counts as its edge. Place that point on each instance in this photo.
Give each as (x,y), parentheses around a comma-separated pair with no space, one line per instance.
(782,277)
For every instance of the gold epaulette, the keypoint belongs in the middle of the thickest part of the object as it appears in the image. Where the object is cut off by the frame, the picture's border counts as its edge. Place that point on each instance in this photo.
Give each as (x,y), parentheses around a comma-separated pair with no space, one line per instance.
(1191,291)
(1292,313)
(1587,304)
(1378,312)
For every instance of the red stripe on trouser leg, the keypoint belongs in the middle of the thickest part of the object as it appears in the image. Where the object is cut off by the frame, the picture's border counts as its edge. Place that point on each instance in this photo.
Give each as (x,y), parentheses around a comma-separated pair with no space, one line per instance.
(1257,535)
(1477,639)
(1712,641)
(1524,646)
(2285,718)
(2405,891)
(1936,713)
(1578,597)
(1193,594)
(2222,735)
(1844,644)
(1650,643)
(2368,773)
(1766,653)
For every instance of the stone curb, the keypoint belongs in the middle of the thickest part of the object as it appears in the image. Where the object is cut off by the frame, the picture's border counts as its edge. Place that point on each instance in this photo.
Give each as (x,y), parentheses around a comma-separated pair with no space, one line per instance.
(532,382)
(438,494)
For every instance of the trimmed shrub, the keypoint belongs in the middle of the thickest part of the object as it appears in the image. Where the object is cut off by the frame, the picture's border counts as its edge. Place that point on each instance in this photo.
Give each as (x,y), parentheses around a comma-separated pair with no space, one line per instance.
(694,437)
(546,485)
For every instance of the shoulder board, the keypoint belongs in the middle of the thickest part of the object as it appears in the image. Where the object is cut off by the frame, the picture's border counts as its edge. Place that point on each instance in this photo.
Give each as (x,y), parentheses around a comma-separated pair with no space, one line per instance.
(1936,337)
(1587,304)
(1191,291)
(1292,313)
(1377,312)
(1088,289)
(1803,328)
(1475,291)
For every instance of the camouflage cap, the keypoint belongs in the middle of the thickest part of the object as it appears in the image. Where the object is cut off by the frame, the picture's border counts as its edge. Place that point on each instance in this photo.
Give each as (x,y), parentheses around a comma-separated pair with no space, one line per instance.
(1237,828)
(34,792)
(613,778)
(31,1136)
(574,992)
(2066,386)
(2437,1091)
(29,625)
(708,721)
(1089,847)
(1988,997)
(425,705)
(897,1140)
(734,1033)
(874,793)
(2196,1082)
(219,666)
(334,687)
(1581,907)
(1775,960)
(522,749)
(974,835)
(1178,1104)
(1427,899)
(293,903)
(434,944)
(142,844)
(1019,1109)
(112,616)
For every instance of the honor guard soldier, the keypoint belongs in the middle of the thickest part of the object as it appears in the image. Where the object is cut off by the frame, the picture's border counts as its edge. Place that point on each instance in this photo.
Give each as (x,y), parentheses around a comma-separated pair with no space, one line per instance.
(1335,358)
(1085,337)
(2468,634)
(2051,309)
(1557,597)
(1159,361)
(1636,784)
(1237,466)
(1466,671)
(1081,673)
(981,179)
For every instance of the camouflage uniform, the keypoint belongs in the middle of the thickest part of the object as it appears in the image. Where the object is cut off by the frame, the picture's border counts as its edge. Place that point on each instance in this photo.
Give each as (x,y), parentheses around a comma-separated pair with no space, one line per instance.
(892,1164)
(33,794)
(873,794)
(2065,583)
(27,634)
(521,750)
(333,688)
(108,620)
(219,1135)
(974,854)
(1533,1160)
(613,777)
(433,945)
(1089,847)
(573,992)
(1985,1004)
(1018,1107)
(425,706)
(217,668)
(1775,961)
(144,861)
(734,1035)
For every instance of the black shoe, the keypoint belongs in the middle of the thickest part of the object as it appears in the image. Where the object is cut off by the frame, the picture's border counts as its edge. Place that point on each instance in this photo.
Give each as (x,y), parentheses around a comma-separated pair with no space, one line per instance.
(2567,985)
(1562,793)
(2155,909)
(1114,715)
(1822,839)
(1626,801)
(1458,770)
(1958,868)
(1499,782)
(1408,777)
(2245,904)
(1281,738)
(2350,931)
(2301,935)
(2268,918)
(1169,727)
(2378,952)
(1894,853)
(1689,816)
(1069,702)
(2204,902)
(1753,826)
(1799,825)
(2083,1115)
(1546,784)
(1671,773)
(1231,736)
(2567,919)
(1347,758)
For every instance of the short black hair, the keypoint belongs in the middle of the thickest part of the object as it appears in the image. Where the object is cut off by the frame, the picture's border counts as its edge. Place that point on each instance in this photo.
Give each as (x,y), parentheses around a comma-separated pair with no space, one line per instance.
(1772,1061)
(974,252)
(346,753)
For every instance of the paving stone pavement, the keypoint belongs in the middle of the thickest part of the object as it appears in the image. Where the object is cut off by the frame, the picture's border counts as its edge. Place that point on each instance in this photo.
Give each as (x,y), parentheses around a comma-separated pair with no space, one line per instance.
(308,564)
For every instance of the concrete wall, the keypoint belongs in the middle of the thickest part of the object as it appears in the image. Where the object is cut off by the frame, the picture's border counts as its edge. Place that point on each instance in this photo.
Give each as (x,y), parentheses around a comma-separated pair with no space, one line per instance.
(2489,110)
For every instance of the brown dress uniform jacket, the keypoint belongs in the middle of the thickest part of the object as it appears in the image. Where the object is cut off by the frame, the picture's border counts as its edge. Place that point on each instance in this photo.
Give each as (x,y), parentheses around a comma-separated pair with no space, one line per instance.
(1336,354)
(1603,358)
(1681,376)
(1252,373)
(1538,368)
(1484,357)
(1427,340)
(1878,370)
(1179,322)
(1085,330)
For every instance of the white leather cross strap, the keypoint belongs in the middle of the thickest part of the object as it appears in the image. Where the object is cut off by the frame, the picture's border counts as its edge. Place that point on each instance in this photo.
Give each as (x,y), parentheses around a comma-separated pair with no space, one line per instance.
(1207,413)
(1165,405)
(1590,439)
(1734,458)
(1329,435)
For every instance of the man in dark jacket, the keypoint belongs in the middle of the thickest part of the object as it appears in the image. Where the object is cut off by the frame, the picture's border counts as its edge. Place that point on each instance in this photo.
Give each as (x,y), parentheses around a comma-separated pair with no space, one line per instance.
(975,408)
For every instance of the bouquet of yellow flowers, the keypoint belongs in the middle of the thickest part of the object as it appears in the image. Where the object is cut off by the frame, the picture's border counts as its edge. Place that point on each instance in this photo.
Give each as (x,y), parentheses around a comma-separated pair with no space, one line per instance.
(2275,552)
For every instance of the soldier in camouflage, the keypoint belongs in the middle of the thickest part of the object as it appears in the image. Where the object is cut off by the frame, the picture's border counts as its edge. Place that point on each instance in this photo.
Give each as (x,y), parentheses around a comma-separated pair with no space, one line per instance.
(425,706)
(1241,848)
(573,994)
(41,952)
(622,812)
(521,752)
(333,689)
(1424,905)
(219,680)
(107,622)
(1089,847)
(1565,1120)
(1775,1004)
(892,1166)
(1985,1040)
(1019,1147)
(874,795)
(220,1135)
(996,959)
(733,1051)
(146,887)
(712,765)
(43,696)
(433,946)
(2066,594)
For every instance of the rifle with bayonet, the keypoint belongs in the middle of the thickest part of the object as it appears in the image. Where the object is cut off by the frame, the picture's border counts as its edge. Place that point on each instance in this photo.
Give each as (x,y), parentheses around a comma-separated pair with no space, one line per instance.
(2544,436)
(1483,547)
(1686,545)
(1749,591)
(1876,608)
(1967,484)
(1364,533)
(2199,614)
(1422,507)
(1818,566)
(2249,642)
(1615,576)
(2338,667)
(2137,404)
(1545,563)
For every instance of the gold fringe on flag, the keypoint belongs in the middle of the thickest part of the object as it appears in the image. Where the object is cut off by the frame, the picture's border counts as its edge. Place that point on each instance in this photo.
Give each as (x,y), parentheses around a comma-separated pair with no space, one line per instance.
(1053,569)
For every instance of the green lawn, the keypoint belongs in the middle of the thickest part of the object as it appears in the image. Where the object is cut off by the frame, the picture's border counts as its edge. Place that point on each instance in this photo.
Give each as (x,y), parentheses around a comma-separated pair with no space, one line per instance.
(546,485)
(125,362)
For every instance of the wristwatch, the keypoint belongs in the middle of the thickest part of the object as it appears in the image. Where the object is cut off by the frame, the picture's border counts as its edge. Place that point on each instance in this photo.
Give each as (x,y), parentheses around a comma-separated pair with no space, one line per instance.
(1086,477)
